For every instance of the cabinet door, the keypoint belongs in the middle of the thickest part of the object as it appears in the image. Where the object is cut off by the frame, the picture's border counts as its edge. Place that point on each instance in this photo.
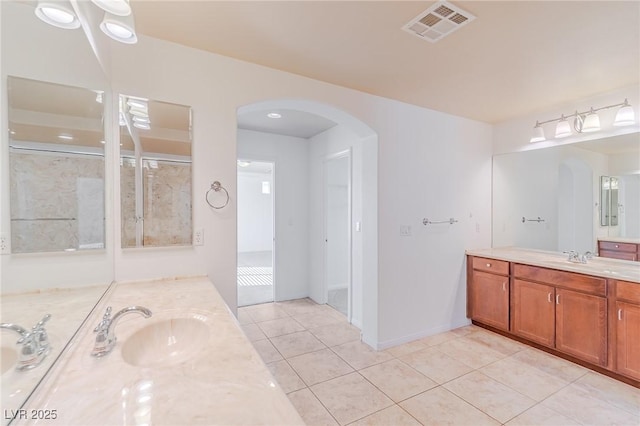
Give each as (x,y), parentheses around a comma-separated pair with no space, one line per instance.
(490,299)
(534,312)
(628,335)
(581,326)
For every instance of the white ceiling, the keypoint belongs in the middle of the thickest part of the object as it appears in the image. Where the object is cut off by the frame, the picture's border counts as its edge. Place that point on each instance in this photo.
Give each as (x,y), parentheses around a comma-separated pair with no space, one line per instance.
(291,123)
(515,58)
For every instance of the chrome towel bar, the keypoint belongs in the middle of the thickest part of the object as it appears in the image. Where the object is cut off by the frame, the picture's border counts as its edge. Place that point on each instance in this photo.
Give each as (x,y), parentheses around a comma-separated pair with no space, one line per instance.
(426,221)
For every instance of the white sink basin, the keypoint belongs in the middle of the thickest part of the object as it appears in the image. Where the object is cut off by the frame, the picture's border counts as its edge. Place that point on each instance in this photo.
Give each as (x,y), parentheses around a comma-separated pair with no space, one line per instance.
(8,358)
(165,343)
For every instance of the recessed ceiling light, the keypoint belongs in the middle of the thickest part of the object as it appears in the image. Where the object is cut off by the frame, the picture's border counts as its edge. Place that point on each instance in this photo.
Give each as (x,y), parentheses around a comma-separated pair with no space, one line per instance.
(117,7)
(119,28)
(65,137)
(274,115)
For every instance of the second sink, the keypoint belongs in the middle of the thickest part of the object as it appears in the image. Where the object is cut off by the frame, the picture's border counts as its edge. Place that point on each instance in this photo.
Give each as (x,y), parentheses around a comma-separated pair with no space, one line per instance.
(165,343)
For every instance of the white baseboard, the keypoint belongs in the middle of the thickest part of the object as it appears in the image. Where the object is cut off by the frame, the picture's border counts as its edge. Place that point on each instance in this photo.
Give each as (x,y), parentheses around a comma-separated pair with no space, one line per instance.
(426,333)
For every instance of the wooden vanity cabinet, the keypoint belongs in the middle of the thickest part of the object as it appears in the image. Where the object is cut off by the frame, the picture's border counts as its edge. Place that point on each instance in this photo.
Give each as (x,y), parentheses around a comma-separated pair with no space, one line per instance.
(627,329)
(488,298)
(561,310)
(615,250)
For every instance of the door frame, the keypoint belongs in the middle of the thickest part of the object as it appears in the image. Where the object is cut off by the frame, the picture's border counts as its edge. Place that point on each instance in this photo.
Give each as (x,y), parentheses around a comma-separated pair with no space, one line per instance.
(347,153)
(273,220)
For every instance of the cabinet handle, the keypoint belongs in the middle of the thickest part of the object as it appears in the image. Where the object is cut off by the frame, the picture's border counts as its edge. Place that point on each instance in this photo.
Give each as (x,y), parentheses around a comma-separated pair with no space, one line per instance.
(617,246)
(557,299)
(488,265)
(620,314)
(504,286)
(549,298)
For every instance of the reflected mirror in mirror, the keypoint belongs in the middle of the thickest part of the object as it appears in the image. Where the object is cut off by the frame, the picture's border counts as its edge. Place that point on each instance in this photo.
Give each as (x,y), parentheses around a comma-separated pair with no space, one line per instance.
(155,173)
(56,160)
(562,186)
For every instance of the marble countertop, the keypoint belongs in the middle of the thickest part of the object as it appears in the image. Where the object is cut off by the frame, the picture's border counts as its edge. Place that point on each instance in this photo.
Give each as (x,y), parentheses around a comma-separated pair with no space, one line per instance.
(209,374)
(598,266)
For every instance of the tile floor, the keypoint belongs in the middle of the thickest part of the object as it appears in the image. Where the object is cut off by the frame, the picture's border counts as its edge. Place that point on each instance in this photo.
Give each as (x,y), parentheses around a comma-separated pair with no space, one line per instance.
(467,376)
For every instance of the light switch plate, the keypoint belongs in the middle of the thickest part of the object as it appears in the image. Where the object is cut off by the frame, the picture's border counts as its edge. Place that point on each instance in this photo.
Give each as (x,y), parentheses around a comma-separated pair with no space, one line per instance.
(198,237)
(4,244)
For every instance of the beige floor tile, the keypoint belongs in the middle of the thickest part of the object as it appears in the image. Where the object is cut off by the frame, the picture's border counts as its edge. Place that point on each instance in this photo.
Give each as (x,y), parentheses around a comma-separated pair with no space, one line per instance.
(314,320)
(330,311)
(392,416)
(406,348)
(267,351)
(575,402)
(496,342)
(310,409)
(351,397)
(492,397)
(397,380)
(440,407)
(244,317)
(616,393)
(470,352)
(265,312)
(319,366)
(280,326)
(439,338)
(436,365)
(360,355)
(286,377)
(253,332)
(336,334)
(525,379)
(299,307)
(550,364)
(466,330)
(298,343)
(539,415)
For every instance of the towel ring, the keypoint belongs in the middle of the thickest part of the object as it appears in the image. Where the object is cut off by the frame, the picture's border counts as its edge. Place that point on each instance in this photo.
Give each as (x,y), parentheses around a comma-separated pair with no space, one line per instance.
(217,187)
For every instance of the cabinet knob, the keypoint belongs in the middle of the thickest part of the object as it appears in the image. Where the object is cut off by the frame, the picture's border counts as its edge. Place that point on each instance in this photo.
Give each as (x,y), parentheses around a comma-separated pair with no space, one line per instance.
(617,246)
(557,299)
(488,265)
(549,298)
(620,314)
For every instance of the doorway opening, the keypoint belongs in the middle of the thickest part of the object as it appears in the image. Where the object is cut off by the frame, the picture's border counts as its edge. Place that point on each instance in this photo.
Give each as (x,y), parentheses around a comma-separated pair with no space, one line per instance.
(337,225)
(255,232)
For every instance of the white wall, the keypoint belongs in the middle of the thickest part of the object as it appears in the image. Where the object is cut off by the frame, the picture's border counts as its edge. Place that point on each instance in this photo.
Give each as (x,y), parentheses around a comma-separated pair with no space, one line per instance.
(255,212)
(34,50)
(427,163)
(630,199)
(291,197)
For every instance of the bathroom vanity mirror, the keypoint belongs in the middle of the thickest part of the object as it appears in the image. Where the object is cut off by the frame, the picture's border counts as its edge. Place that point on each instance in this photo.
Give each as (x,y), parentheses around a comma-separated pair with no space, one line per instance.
(155,173)
(554,198)
(56,161)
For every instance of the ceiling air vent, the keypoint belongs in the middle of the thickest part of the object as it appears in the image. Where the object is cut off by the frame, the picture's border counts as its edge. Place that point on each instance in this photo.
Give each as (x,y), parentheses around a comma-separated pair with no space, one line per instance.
(438,21)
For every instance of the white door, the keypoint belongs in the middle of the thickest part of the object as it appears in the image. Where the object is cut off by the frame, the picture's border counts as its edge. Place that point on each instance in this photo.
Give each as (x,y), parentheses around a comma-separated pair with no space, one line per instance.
(337,225)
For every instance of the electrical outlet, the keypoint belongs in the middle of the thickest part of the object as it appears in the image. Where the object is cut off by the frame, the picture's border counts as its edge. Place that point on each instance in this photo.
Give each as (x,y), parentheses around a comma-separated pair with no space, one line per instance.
(4,244)
(198,237)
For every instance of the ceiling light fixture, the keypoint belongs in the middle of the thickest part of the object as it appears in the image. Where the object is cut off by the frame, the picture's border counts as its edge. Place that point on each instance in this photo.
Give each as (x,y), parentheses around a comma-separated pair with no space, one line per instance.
(115,7)
(585,122)
(138,119)
(274,115)
(137,103)
(139,112)
(242,163)
(143,126)
(119,28)
(65,137)
(58,14)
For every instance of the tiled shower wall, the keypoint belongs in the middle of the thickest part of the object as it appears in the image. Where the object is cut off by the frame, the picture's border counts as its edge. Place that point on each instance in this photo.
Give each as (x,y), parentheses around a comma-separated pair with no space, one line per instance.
(57,201)
(167,203)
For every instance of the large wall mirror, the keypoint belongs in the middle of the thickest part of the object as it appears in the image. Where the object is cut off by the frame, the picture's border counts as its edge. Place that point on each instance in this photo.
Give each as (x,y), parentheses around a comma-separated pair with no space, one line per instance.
(155,173)
(567,197)
(56,160)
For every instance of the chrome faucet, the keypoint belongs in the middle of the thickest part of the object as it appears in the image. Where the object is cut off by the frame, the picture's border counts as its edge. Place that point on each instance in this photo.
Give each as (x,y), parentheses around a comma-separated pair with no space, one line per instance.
(34,344)
(576,257)
(106,337)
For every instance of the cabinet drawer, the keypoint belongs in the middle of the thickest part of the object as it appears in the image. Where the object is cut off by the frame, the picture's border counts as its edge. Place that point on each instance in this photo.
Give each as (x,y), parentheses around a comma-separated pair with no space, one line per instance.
(491,265)
(628,291)
(562,279)
(610,245)
(622,255)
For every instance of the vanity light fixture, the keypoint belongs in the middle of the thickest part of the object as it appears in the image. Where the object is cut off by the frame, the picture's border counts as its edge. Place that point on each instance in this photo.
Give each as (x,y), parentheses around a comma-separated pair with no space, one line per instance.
(115,7)
(58,14)
(242,163)
(143,126)
(274,115)
(138,103)
(65,137)
(137,119)
(99,97)
(138,112)
(585,122)
(563,129)
(119,28)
